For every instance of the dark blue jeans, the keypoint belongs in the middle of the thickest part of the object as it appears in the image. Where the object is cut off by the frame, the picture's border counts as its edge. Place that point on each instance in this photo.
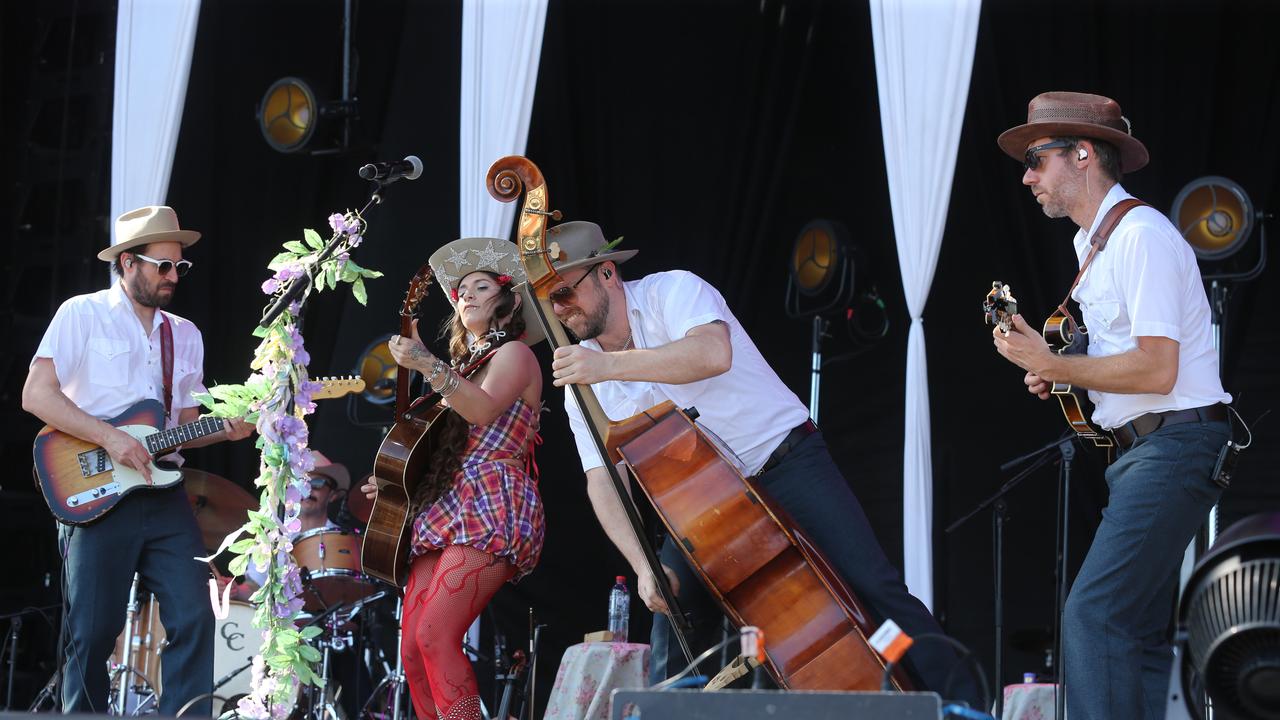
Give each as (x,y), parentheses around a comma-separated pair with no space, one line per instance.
(1116,624)
(153,533)
(809,486)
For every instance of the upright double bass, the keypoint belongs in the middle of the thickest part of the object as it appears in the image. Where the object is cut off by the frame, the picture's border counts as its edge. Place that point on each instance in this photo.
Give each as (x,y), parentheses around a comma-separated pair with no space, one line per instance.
(753,559)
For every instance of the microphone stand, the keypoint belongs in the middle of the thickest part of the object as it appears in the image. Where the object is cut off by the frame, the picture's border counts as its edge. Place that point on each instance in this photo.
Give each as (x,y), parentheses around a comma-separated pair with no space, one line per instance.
(298,286)
(1039,458)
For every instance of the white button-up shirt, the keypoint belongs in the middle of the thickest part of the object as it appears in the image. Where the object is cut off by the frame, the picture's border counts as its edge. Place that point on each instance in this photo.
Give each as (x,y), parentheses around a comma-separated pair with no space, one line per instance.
(748,407)
(106,361)
(1146,283)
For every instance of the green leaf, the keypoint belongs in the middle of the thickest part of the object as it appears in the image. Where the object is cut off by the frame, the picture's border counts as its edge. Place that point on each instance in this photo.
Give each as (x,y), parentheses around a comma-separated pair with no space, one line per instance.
(259,331)
(238,547)
(331,275)
(320,278)
(296,248)
(238,565)
(282,259)
(309,653)
(313,239)
(309,632)
(371,273)
(358,291)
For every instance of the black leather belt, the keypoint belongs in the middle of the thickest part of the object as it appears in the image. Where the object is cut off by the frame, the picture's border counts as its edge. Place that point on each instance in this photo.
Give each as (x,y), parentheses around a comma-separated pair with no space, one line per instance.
(793,438)
(1128,433)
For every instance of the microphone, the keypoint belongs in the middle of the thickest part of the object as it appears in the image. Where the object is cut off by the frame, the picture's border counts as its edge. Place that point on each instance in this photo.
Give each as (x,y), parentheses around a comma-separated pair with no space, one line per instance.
(388,172)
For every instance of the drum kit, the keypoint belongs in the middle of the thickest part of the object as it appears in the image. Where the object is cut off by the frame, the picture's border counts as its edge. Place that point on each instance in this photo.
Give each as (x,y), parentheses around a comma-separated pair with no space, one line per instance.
(337,595)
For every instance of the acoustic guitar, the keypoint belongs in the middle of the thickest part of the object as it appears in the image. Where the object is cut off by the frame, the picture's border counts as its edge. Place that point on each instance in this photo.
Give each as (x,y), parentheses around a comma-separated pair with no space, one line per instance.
(1064,338)
(401,461)
(79,480)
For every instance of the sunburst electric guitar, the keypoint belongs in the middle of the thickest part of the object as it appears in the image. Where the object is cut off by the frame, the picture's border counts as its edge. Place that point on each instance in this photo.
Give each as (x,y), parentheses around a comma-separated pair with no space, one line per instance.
(1064,338)
(81,483)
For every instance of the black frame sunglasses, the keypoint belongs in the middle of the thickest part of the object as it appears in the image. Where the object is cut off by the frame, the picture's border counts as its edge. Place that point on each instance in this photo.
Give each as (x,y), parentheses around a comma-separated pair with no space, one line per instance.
(164,266)
(566,294)
(1032,159)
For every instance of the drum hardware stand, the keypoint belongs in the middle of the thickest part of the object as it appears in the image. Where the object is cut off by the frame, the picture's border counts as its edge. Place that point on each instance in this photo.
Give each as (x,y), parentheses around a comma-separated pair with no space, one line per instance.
(15,627)
(124,670)
(331,641)
(394,680)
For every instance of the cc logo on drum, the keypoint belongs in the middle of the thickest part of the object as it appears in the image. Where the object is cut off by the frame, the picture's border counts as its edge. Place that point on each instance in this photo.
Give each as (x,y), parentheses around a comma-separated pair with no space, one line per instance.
(230,633)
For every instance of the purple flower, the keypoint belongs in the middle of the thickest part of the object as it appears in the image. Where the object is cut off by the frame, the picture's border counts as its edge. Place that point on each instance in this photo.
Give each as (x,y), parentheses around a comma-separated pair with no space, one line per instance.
(355,240)
(270,286)
(338,222)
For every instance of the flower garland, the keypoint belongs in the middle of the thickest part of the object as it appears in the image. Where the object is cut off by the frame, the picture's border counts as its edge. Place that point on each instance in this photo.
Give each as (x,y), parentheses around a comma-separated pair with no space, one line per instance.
(277,396)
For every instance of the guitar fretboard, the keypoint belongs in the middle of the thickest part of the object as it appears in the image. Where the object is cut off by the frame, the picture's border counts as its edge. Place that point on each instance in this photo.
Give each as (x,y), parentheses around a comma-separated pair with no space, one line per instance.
(173,437)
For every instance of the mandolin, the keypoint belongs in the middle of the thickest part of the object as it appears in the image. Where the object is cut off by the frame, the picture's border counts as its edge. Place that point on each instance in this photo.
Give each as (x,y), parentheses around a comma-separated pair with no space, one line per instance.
(1064,338)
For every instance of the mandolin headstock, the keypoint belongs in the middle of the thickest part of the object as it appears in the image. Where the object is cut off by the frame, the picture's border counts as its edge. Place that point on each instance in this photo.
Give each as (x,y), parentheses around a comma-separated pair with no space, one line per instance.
(1000,306)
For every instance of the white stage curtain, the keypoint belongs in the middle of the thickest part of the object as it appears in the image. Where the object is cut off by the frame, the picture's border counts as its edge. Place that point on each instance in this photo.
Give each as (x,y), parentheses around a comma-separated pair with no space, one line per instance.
(154,41)
(924,55)
(501,47)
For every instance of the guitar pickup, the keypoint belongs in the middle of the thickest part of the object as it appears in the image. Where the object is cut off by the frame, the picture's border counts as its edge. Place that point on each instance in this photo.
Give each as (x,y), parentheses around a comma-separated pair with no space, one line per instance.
(94,462)
(111,488)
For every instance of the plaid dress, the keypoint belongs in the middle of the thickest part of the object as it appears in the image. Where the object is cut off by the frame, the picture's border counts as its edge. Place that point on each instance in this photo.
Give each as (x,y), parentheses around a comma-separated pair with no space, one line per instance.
(493,506)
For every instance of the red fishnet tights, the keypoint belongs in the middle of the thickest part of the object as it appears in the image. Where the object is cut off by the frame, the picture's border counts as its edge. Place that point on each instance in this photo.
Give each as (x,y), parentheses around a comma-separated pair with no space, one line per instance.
(447,590)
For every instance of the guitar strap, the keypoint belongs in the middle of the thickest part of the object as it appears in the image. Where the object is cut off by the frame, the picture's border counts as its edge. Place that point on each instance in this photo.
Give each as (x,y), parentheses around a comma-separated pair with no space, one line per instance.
(1099,242)
(166,362)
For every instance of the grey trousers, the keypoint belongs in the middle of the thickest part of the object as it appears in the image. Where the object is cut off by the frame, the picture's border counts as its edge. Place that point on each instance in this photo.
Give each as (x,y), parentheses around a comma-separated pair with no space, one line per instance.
(153,533)
(1116,623)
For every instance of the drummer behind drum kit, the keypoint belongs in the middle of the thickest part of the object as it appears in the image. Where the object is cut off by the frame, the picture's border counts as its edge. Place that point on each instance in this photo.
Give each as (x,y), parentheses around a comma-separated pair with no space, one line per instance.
(335,592)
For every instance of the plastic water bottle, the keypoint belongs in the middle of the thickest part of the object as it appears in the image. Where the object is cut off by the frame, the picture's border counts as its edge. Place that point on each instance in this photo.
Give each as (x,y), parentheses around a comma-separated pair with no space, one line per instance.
(619,609)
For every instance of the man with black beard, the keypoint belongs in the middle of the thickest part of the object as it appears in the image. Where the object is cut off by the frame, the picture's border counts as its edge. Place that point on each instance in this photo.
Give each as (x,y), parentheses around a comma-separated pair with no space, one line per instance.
(102,353)
(671,336)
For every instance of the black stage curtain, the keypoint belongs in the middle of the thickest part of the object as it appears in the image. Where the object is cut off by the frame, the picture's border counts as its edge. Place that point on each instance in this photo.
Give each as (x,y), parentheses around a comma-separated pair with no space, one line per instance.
(707,134)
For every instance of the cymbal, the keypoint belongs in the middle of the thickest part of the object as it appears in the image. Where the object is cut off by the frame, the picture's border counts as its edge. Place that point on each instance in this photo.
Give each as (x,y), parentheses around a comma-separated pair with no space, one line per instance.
(220,506)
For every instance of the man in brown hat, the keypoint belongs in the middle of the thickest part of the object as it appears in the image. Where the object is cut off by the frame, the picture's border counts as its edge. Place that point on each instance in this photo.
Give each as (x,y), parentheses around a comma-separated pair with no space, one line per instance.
(102,353)
(1152,374)
(671,336)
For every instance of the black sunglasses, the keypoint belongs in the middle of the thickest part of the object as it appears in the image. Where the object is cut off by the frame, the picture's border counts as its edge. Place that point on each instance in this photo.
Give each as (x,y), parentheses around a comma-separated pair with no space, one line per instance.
(164,266)
(319,482)
(566,294)
(1032,159)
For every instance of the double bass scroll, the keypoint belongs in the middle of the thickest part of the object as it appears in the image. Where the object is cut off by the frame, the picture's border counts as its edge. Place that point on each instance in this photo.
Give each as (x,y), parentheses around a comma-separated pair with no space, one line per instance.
(506,179)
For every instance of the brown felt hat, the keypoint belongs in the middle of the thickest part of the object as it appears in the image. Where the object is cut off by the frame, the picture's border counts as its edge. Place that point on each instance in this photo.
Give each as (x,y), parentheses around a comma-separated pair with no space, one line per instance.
(1072,114)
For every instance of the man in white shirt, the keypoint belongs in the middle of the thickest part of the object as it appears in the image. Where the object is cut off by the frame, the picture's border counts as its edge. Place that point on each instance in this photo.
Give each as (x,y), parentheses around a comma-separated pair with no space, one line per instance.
(1152,374)
(671,336)
(102,353)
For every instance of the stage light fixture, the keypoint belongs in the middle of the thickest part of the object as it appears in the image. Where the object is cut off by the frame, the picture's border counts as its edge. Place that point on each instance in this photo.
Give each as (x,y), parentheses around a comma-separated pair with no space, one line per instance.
(821,269)
(1229,626)
(378,370)
(288,115)
(1215,216)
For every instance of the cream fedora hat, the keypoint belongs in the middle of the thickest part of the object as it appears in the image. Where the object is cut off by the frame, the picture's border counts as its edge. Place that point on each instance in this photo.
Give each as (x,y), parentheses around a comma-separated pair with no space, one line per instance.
(146,225)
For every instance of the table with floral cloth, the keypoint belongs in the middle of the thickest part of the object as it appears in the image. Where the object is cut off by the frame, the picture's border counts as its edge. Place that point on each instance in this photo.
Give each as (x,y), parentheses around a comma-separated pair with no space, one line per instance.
(589,672)
(1029,701)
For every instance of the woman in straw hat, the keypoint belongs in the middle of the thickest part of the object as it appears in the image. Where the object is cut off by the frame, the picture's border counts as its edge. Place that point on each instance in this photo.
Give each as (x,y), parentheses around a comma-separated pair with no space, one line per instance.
(478,520)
